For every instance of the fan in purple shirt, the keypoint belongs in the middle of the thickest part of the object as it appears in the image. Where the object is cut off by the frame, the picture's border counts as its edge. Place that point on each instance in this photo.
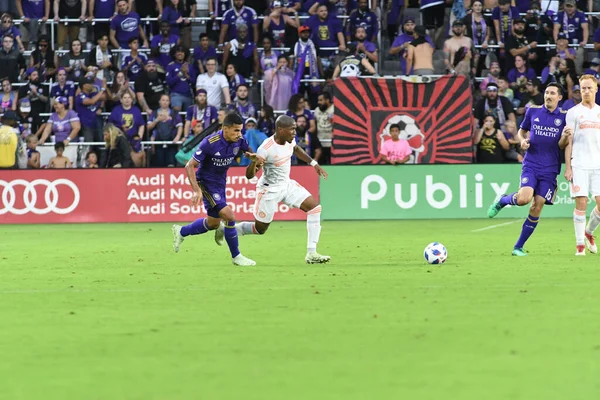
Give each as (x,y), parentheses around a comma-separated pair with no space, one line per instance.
(236,15)
(326,30)
(180,78)
(63,87)
(128,117)
(63,123)
(124,26)
(542,136)
(365,18)
(203,52)
(207,174)
(164,42)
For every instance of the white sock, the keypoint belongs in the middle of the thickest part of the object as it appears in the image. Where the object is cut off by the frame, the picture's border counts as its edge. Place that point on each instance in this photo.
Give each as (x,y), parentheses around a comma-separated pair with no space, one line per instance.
(313,226)
(594,221)
(579,222)
(245,228)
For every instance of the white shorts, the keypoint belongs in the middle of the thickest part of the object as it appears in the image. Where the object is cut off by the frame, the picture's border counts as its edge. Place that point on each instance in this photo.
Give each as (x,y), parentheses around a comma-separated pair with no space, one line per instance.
(586,182)
(267,199)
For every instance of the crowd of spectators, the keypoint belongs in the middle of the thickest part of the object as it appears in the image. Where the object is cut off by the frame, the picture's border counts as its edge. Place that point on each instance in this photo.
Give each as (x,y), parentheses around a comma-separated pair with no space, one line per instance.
(136,67)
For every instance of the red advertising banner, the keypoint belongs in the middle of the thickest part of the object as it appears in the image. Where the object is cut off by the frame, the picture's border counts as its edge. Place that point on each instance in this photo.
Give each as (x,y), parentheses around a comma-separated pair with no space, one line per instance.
(125,195)
(434,117)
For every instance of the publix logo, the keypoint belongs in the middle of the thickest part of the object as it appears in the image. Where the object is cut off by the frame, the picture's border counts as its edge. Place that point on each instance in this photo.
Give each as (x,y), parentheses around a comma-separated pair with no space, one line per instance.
(129,24)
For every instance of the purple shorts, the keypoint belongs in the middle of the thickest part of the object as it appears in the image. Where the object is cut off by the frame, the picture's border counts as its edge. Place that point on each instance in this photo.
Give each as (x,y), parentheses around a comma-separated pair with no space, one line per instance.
(543,184)
(213,197)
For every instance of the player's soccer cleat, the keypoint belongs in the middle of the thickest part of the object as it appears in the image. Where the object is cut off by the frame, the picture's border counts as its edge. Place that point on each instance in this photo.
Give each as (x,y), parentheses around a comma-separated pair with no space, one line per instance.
(242,261)
(519,253)
(220,234)
(591,243)
(494,209)
(316,258)
(580,250)
(177,238)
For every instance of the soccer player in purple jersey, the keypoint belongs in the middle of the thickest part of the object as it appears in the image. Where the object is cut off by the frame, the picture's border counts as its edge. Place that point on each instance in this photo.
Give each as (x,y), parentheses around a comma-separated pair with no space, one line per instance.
(542,134)
(207,173)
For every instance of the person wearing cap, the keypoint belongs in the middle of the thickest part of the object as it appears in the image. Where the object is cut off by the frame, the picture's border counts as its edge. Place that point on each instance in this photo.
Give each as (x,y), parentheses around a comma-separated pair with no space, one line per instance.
(362,17)
(504,12)
(125,25)
(9,140)
(518,44)
(88,107)
(64,124)
(251,123)
(63,87)
(402,41)
(200,112)
(149,86)
(35,91)
(573,100)
(498,106)
(575,25)
(275,24)
(242,53)
(458,50)
(233,16)
(29,123)
(533,96)
(562,47)
(594,68)
(180,79)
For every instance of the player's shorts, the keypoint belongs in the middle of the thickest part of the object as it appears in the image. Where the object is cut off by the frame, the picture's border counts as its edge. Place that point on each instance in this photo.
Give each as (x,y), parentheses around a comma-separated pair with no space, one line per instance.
(213,197)
(433,17)
(544,185)
(585,182)
(267,199)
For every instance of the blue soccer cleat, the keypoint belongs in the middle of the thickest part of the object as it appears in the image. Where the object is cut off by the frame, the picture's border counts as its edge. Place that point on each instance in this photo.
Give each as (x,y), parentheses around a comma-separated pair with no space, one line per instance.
(519,252)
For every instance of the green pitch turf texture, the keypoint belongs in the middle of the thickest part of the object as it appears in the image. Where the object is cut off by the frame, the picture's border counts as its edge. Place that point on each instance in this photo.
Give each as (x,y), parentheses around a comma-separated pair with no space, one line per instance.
(108,311)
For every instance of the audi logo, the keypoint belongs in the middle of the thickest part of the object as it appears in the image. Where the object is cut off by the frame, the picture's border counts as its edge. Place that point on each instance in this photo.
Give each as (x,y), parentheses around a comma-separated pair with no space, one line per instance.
(51,196)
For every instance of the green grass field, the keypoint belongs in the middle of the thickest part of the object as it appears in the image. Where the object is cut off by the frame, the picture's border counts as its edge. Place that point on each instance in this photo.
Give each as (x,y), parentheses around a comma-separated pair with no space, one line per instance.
(110,312)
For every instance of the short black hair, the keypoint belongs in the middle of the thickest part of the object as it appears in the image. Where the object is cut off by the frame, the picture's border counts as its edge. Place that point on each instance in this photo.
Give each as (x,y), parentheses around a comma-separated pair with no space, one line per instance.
(59,145)
(131,39)
(233,118)
(557,86)
(284,121)
(395,126)
(326,95)
(203,35)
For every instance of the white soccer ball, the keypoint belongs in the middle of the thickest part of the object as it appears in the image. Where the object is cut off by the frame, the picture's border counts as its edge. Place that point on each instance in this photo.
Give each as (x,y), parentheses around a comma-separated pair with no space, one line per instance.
(435,253)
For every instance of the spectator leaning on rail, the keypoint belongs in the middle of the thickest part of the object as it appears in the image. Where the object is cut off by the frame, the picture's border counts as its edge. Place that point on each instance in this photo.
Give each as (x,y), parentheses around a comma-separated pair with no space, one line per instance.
(32,11)
(395,151)
(125,25)
(68,9)
(574,24)
(64,124)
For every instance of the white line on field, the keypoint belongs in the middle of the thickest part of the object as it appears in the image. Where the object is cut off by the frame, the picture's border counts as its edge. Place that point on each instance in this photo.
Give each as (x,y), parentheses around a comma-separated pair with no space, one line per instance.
(495,226)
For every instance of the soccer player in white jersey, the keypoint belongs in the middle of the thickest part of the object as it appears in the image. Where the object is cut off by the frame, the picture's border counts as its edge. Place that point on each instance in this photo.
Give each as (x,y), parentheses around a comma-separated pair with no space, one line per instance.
(275,186)
(582,156)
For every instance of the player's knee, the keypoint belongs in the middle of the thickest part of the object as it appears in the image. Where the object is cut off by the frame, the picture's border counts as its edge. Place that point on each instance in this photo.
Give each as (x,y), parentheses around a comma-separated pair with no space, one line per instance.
(524,198)
(212,223)
(536,208)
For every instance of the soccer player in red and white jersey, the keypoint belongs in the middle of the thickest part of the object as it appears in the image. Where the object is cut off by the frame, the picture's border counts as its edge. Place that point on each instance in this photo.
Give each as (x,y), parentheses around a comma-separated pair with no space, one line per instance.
(275,186)
(582,156)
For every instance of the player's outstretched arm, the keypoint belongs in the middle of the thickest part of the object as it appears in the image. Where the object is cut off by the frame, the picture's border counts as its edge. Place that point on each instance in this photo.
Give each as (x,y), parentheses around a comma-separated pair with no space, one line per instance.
(190,170)
(301,154)
(254,166)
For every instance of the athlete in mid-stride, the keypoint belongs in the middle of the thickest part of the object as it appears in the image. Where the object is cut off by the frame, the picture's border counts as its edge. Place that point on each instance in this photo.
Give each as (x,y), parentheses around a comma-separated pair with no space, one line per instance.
(207,173)
(543,135)
(275,186)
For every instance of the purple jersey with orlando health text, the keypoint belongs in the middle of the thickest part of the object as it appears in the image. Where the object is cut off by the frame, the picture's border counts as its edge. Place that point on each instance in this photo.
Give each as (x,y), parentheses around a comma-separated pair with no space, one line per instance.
(215,155)
(542,163)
